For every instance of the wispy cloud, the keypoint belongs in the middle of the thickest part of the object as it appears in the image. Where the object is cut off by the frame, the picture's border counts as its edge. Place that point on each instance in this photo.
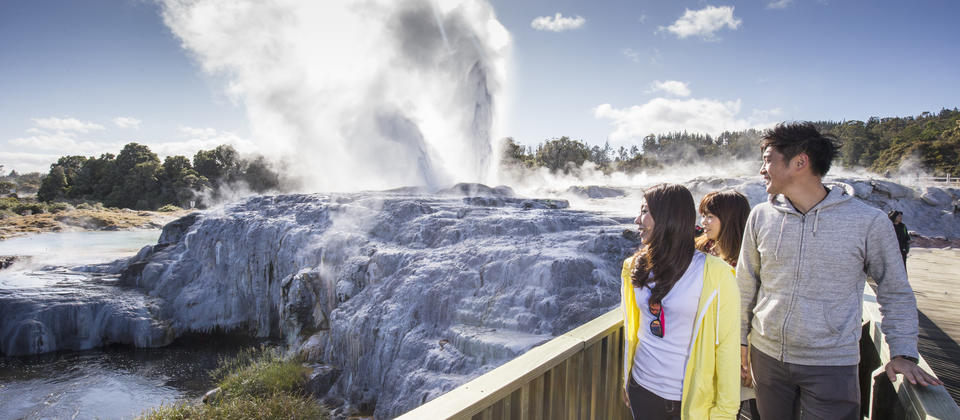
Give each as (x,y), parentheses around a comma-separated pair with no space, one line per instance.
(779,4)
(127,122)
(66,124)
(703,23)
(671,87)
(665,115)
(557,23)
(631,54)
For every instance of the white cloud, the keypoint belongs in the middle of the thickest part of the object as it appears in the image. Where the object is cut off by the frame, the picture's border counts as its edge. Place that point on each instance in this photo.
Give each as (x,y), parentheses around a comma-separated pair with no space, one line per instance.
(557,23)
(664,115)
(127,122)
(671,87)
(631,54)
(779,4)
(66,124)
(63,143)
(204,133)
(703,23)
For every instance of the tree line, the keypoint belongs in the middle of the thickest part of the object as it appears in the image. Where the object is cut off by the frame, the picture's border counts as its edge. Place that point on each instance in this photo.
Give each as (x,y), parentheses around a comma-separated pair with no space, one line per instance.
(878,144)
(137,179)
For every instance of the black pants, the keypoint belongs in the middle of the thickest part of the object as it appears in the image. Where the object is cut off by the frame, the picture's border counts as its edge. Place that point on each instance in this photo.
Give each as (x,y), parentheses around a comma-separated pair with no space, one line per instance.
(646,405)
(816,392)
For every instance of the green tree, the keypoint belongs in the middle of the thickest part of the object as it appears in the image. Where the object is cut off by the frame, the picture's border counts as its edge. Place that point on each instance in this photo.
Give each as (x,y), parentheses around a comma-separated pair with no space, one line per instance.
(562,154)
(220,165)
(258,175)
(54,185)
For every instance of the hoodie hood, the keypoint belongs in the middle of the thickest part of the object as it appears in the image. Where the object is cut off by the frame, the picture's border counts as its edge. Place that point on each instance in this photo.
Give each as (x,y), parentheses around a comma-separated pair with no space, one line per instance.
(837,193)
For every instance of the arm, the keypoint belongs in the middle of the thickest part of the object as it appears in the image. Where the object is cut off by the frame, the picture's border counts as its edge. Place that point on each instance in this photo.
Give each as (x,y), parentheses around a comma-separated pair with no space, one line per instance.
(728,351)
(898,306)
(748,275)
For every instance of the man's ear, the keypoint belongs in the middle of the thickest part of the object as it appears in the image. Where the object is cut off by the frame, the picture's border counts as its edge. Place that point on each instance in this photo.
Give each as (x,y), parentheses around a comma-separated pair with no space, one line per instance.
(800,161)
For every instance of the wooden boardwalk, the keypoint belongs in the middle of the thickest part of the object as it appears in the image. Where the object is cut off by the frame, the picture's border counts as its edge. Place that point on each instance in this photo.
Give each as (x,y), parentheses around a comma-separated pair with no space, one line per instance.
(935,277)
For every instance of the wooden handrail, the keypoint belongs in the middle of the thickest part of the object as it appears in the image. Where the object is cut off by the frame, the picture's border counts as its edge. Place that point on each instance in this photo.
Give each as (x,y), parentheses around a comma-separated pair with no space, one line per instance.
(578,375)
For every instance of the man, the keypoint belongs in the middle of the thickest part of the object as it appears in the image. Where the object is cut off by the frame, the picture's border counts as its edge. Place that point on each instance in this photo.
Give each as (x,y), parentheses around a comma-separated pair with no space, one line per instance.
(805,257)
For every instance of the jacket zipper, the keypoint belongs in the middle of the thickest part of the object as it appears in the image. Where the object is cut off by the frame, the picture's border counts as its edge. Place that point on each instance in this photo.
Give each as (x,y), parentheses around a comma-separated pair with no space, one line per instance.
(793,296)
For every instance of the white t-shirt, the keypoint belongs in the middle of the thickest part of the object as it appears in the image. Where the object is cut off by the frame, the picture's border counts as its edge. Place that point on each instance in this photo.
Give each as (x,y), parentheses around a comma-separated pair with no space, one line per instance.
(659,363)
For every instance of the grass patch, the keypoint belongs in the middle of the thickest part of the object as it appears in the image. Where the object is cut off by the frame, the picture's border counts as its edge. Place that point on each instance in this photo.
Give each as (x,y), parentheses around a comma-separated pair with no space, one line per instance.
(169,208)
(255,384)
(276,406)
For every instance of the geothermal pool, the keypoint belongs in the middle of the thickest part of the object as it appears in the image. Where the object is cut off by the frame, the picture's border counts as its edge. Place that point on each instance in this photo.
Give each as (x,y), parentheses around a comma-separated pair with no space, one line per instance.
(115,382)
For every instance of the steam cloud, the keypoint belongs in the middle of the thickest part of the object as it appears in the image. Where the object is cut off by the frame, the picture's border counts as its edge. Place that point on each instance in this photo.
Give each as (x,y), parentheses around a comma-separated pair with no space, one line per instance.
(358,94)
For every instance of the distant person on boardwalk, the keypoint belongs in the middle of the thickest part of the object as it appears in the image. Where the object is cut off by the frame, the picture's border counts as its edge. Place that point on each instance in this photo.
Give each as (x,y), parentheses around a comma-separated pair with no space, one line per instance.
(903,237)
(724,216)
(681,318)
(805,258)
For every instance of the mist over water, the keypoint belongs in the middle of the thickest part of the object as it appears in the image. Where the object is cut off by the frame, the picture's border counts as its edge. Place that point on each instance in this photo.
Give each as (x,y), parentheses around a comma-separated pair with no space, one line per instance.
(358,94)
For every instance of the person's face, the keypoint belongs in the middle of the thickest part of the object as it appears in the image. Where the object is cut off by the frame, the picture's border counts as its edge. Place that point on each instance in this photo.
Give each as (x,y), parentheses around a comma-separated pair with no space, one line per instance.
(898,219)
(775,171)
(644,223)
(711,226)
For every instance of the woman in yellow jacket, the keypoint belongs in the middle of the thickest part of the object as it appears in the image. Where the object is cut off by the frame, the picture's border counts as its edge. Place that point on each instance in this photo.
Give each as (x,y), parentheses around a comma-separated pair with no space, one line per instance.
(681,318)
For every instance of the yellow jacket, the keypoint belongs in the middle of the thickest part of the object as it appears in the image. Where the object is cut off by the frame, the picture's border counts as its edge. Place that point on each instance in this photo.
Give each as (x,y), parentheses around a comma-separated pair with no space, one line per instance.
(711,383)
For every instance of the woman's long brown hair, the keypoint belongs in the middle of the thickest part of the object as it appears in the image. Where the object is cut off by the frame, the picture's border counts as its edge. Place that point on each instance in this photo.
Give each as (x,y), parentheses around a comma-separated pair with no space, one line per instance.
(732,208)
(670,248)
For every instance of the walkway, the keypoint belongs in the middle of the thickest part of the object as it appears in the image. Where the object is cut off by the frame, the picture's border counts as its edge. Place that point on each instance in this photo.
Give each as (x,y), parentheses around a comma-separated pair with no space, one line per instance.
(935,277)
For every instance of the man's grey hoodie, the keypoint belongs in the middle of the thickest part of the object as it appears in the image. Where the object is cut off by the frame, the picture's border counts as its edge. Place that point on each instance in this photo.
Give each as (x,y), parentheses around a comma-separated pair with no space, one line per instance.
(802,276)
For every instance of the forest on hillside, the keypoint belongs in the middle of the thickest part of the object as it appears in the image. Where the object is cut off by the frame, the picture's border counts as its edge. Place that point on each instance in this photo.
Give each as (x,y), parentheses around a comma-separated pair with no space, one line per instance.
(880,145)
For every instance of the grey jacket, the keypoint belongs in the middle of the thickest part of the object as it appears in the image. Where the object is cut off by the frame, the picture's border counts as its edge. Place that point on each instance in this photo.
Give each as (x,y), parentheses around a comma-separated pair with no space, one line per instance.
(801,280)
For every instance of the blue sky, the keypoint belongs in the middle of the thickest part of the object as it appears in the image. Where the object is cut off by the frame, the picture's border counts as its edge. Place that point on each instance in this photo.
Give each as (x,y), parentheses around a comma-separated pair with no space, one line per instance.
(86,77)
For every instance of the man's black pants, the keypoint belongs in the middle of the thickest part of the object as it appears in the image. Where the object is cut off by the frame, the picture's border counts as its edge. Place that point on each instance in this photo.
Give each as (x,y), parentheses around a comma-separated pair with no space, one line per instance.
(816,392)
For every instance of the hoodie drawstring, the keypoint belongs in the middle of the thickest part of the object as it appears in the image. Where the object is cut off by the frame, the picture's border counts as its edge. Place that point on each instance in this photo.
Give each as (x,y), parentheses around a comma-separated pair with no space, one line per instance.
(716,334)
(776,252)
(816,222)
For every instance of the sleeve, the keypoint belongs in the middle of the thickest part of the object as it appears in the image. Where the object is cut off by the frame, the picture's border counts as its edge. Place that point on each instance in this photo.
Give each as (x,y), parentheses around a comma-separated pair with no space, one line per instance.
(728,350)
(748,275)
(898,306)
(625,309)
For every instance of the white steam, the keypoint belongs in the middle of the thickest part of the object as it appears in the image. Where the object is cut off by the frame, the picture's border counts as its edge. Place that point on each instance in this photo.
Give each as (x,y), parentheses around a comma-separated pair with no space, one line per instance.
(355,95)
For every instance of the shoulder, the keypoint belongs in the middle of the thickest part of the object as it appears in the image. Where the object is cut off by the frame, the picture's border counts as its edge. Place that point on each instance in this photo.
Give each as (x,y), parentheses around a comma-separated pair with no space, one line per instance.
(716,270)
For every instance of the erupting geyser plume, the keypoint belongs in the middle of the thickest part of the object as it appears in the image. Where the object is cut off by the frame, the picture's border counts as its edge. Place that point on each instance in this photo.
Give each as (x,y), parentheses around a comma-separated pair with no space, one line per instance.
(358,94)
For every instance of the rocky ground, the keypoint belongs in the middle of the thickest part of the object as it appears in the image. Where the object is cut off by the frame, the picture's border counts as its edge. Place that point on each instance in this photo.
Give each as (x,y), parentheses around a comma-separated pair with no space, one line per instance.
(85,219)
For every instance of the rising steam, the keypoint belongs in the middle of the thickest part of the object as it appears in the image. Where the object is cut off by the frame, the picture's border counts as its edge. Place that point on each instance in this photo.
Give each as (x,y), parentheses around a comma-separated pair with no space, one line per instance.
(358,94)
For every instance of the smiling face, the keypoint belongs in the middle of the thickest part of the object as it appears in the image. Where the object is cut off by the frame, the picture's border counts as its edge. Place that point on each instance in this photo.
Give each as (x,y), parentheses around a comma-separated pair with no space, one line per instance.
(711,226)
(644,223)
(775,171)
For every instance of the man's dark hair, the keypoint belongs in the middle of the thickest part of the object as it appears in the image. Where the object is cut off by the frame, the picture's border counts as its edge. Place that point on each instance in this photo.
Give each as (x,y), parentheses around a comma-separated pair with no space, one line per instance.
(802,137)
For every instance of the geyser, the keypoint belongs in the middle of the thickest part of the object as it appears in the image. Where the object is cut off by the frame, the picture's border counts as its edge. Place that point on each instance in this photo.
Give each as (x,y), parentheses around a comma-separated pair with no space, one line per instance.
(358,94)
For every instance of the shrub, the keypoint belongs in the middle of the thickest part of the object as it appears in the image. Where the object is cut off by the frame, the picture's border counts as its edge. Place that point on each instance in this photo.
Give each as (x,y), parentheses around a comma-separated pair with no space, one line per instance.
(32,208)
(58,207)
(169,208)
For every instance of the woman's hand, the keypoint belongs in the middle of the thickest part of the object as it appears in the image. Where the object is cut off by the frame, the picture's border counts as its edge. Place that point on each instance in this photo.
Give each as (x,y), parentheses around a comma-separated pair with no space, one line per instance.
(745,378)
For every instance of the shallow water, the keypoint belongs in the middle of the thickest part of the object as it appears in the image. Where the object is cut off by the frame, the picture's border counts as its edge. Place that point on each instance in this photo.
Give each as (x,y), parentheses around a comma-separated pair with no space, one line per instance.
(115,382)
(66,249)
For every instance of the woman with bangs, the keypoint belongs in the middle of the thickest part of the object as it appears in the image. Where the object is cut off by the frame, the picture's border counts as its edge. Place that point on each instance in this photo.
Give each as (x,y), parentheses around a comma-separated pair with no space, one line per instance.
(681,318)
(724,216)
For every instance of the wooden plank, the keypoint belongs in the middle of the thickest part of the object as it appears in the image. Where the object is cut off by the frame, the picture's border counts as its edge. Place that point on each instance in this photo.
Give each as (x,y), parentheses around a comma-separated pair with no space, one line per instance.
(571,387)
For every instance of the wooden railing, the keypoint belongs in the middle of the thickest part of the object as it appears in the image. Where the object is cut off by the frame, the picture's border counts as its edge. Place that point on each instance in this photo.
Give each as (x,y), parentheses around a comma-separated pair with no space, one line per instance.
(574,376)
(578,375)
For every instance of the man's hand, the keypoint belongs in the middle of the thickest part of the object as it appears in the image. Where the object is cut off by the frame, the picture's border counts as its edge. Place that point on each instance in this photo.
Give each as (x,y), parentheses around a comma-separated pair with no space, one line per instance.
(625,397)
(911,372)
(745,378)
